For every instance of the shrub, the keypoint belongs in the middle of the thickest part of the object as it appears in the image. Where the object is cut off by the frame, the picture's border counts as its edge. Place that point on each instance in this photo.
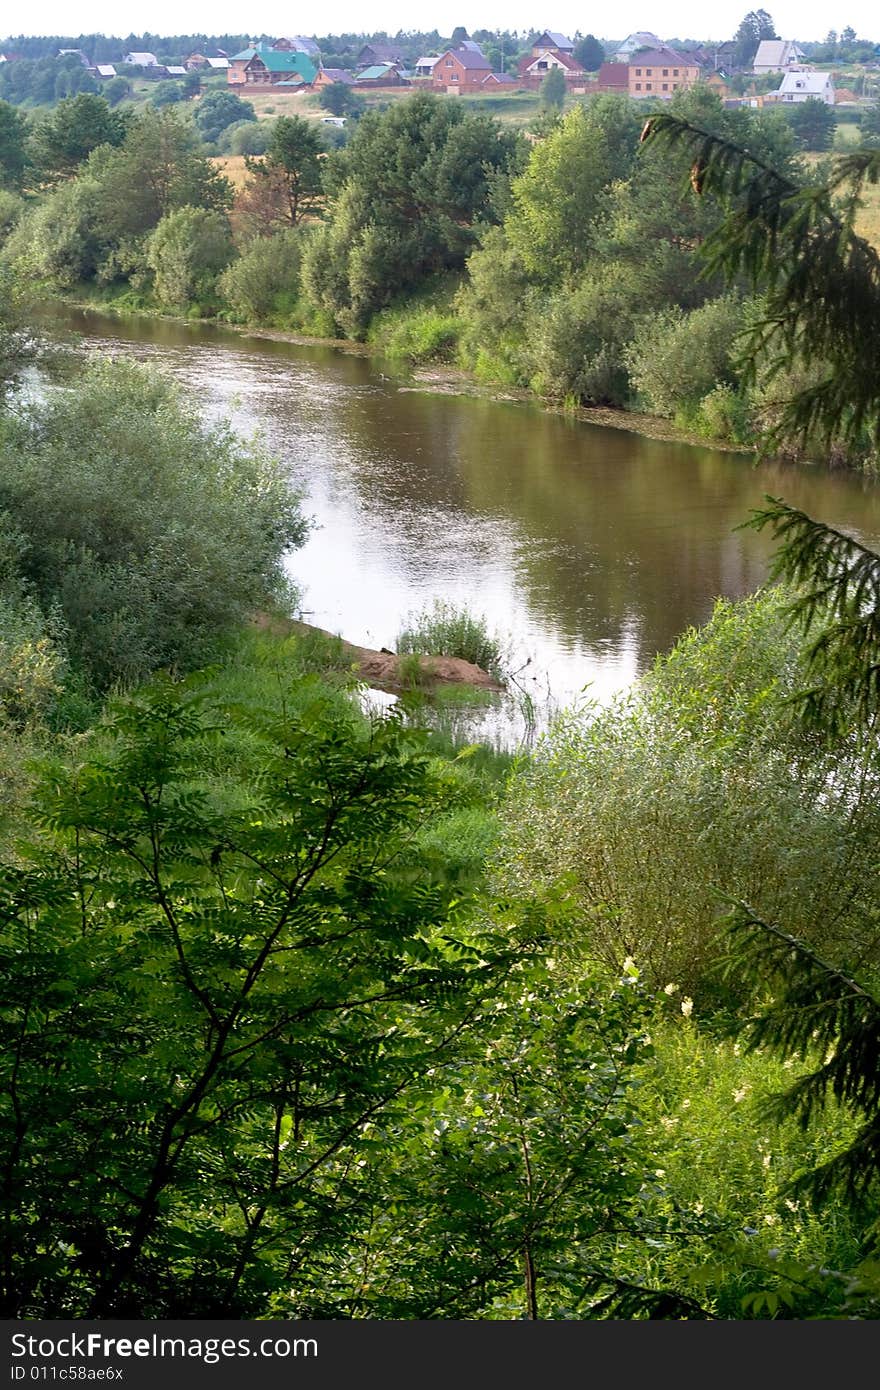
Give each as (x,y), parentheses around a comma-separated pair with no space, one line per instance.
(697,787)
(675,359)
(186,253)
(263,283)
(444,630)
(151,533)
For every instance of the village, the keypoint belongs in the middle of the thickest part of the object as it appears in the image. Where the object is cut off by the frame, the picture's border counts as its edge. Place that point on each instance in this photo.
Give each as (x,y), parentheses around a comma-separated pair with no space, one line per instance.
(642,66)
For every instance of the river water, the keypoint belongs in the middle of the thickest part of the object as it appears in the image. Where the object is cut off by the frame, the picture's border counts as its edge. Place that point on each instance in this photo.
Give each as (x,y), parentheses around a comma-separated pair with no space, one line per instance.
(588,549)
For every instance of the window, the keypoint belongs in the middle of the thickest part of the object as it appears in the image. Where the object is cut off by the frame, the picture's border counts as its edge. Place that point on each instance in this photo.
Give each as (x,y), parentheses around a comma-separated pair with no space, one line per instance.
(666,86)
(638,72)
(647,86)
(675,72)
(665,72)
(448,62)
(454,77)
(638,86)
(648,71)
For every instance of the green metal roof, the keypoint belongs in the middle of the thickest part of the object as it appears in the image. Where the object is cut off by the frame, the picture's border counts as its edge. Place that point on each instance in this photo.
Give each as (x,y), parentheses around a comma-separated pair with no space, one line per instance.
(377,70)
(276,61)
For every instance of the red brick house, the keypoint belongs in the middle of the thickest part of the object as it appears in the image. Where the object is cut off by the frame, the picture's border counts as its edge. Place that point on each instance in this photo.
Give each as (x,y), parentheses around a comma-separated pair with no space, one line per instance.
(460,70)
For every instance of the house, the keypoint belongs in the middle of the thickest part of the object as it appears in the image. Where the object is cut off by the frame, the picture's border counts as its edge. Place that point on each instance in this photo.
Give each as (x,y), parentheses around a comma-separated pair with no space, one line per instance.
(717,83)
(460,70)
(777,55)
(801,86)
(176,71)
(658,72)
(326,77)
(195,61)
(381,75)
(105,70)
(299,44)
(499,79)
(424,67)
(263,66)
(141,60)
(613,77)
(643,38)
(219,64)
(536,67)
(554,41)
(373,53)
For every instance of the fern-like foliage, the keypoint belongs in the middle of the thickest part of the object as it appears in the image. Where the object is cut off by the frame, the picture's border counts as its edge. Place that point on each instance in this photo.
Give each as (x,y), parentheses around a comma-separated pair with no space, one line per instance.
(821,281)
(817,1010)
(837,605)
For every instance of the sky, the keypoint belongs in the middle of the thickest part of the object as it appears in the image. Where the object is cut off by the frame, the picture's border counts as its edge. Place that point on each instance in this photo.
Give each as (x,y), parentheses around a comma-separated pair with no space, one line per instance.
(794,19)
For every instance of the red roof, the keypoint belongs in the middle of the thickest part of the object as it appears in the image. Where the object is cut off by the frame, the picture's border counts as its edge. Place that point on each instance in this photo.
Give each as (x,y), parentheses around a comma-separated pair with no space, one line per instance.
(614,75)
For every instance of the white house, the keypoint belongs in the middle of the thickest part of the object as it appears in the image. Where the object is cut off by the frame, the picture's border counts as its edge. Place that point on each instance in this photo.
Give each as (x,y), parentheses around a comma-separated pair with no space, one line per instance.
(800,86)
(218,64)
(777,55)
(425,66)
(105,70)
(141,60)
(643,38)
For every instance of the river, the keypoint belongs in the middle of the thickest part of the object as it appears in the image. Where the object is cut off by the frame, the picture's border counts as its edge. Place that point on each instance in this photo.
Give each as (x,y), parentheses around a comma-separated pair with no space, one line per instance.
(589,549)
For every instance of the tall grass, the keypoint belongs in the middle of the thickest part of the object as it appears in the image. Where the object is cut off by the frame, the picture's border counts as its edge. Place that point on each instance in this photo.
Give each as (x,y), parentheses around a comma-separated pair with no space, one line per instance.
(444,630)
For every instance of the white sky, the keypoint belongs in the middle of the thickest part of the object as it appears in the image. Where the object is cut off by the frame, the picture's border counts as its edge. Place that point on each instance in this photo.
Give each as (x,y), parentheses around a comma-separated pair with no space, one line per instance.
(794,19)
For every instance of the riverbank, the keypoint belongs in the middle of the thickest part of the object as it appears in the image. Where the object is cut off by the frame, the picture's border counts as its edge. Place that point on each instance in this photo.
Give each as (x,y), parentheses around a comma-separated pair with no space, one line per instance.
(437,379)
(384,669)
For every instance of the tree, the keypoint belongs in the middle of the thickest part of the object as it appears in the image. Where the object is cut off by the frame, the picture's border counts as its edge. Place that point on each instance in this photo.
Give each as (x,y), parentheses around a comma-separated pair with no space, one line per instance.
(292,162)
(216,111)
(340,100)
(242,992)
(13,148)
(416,180)
(553,89)
(822,287)
(590,53)
(754,27)
(116,90)
(77,126)
(820,281)
(558,199)
(186,253)
(813,123)
(167,94)
(158,167)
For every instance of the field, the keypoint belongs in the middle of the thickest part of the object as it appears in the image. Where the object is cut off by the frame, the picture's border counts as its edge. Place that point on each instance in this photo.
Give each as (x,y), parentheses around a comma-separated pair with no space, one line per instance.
(232,166)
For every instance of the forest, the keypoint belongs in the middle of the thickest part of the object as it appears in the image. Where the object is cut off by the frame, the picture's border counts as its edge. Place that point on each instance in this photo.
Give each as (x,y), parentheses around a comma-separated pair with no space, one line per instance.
(311,1013)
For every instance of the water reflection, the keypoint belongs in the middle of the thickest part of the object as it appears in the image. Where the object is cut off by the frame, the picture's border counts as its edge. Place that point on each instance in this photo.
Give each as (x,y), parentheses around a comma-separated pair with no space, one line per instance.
(592,549)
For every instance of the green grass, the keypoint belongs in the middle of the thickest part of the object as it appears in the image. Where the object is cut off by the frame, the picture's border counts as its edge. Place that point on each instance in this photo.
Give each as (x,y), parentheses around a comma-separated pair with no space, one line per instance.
(444,630)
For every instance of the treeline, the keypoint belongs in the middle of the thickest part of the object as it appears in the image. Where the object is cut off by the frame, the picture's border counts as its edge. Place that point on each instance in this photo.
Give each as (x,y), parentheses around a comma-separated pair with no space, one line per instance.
(569,266)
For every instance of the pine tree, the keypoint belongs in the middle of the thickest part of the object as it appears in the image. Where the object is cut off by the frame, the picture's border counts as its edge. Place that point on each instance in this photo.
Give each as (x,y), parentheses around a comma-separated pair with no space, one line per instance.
(821,282)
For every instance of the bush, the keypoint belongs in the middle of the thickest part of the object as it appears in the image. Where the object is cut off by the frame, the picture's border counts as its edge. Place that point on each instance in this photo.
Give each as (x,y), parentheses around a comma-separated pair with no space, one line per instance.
(578,344)
(147,531)
(187,252)
(444,630)
(263,284)
(697,787)
(675,359)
